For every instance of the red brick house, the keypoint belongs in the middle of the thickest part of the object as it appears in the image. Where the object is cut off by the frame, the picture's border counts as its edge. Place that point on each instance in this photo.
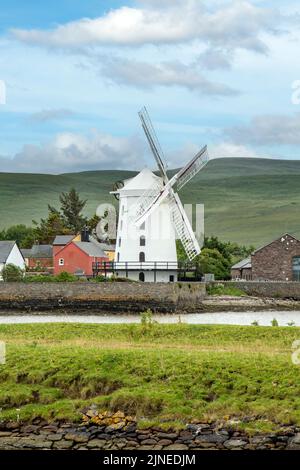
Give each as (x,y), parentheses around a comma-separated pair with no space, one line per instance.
(277,261)
(77,257)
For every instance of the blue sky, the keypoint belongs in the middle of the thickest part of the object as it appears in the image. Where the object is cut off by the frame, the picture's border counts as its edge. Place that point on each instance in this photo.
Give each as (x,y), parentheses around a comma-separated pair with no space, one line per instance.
(215,72)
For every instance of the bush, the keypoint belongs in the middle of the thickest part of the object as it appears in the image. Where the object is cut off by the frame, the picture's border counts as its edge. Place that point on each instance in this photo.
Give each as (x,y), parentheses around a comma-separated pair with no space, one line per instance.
(223,289)
(274,322)
(65,277)
(39,278)
(12,273)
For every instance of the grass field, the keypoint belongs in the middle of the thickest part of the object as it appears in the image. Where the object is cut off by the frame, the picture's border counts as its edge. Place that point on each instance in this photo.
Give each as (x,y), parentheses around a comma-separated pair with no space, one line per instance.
(161,373)
(246,200)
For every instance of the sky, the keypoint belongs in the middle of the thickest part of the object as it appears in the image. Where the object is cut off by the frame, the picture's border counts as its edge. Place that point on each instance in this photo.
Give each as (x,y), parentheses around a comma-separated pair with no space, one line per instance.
(216,72)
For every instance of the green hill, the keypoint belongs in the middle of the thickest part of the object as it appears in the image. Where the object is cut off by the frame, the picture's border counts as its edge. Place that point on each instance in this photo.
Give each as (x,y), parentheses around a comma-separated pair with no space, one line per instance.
(246,200)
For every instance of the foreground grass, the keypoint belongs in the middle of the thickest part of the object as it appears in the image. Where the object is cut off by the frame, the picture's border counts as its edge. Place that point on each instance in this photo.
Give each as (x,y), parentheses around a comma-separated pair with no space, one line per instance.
(171,373)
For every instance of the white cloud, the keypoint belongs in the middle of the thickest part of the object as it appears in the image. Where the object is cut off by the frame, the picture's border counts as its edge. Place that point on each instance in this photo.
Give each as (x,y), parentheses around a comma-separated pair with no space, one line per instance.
(238,24)
(268,130)
(146,75)
(70,152)
(231,150)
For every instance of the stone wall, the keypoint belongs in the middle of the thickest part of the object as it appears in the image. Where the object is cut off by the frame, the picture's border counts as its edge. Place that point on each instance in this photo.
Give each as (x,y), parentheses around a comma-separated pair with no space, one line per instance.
(194,437)
(275,290)
(102,297)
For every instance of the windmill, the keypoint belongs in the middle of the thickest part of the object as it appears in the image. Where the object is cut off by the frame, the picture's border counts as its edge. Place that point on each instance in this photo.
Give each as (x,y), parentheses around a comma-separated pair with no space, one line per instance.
(144,201)
(153,197)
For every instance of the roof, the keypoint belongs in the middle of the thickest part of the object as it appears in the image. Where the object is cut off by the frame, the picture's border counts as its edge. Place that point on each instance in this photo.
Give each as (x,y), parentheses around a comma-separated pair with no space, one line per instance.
(243,264)
(5,249)
(38,251)
(282,238)
(143,180)
(62,239)
(107,246)
(91,248)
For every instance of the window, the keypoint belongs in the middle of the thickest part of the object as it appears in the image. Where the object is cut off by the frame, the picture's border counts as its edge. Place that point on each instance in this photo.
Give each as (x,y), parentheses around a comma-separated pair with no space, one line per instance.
(171,278)
(142,227)
(121,225)
(120,241)
(61,262)
(142,277)
(296,268)
(142,257)
(118,257)
(142,240)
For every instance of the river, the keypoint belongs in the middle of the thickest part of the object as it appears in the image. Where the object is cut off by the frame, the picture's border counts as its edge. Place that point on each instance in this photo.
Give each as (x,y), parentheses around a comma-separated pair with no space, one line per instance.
(263,318)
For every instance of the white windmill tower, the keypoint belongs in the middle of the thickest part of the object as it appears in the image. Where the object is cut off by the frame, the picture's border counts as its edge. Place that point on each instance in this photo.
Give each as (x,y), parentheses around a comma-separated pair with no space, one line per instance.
(151,218)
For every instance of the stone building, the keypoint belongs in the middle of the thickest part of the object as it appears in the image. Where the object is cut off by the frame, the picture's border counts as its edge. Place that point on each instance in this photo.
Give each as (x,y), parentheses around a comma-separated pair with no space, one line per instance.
(242,270)
(277,261)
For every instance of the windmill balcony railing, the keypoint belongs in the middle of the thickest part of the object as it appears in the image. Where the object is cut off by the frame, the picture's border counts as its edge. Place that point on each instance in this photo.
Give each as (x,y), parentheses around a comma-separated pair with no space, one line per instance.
(112,266)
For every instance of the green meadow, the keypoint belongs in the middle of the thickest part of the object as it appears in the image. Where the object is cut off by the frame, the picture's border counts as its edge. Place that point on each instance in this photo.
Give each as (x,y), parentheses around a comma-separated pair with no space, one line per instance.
(249,201)
(167,374)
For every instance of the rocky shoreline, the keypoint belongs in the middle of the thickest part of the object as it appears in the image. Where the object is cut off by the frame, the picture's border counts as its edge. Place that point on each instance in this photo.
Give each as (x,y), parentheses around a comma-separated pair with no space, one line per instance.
(200,436)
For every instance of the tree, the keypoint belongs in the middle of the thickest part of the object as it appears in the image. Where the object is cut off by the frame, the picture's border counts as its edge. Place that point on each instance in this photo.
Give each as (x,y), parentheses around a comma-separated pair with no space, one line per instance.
(20,233)
(71,208)
(12,273)
(211,260)
(46,230)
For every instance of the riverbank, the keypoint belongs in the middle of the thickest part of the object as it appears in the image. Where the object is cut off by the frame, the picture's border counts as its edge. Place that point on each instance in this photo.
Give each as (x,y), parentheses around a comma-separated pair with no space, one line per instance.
(82,297)
(171,374)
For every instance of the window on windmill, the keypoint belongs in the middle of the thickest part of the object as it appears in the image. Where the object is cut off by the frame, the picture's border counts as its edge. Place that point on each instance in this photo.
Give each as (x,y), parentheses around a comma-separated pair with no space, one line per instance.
(142,257)
(142,241)
(121,224)
(120,241)
(118,256)
(142,227)
(61,262)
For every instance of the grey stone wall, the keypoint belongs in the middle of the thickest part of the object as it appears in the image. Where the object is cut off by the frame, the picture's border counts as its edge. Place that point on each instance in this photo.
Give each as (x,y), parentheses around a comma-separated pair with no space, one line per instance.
(276,290)
(103,297)
(194,437)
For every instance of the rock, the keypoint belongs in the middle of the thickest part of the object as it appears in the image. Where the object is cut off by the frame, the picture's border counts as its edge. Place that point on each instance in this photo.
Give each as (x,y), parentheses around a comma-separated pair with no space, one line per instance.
(76,437)
(5,434)
(62,444)
(235,443)
(176,447)
(149,442)
(132,444)
(165,442)
(96,443)
(115,427)
(294,442)
(166,435)
(215,438)
(54,437)
(38,443)
(119,414)
(186,436)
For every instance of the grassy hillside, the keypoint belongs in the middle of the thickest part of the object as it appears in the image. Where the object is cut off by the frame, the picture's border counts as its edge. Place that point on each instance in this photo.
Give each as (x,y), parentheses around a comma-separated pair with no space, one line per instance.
(163,372)
(246,200)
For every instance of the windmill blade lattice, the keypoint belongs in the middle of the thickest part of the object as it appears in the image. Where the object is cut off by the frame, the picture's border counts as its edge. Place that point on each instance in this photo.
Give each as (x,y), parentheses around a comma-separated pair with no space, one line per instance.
(192,168)
(183,228)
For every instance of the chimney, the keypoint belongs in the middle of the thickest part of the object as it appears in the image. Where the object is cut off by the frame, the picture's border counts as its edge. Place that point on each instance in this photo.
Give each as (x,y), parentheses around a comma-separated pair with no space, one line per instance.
(85,234)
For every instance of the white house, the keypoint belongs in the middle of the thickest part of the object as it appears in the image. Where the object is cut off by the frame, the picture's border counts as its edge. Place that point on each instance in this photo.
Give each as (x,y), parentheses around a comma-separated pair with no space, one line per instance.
(10,254)
(145,253)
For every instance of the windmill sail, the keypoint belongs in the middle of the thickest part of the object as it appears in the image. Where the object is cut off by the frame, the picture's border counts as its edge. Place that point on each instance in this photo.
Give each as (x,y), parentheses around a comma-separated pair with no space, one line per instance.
(192,168)
(183,228)
(153,142)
